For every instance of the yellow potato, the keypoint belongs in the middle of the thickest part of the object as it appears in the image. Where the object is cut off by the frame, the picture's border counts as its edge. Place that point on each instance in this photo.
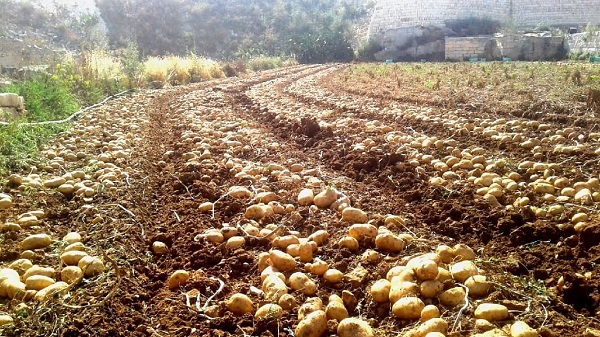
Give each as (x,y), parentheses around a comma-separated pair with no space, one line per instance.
(380,291)
(235,242)
(461,271)
(240,304)
(282,261)
(5,320)
(36,241)
(389,242)
(349,243)
(318,267)
(305,252)
(429,311)
(361,231)
(72,257)
(38,282)
(269,311)
(325,198)
(355,215)
(177,279)
(71,274)
(408,308)
(12,288)
(426,270)
(287,302)
(282,242)
(75,246)
(38,270)
(354,327)
(335,308)
(453,296)
(21,265)
(306,197)
(430,326)
(401,289)
(431,288)
(300,282)
(91,265)
(274,287)
(72,237)
(312,304)
(46,293)
(333,276)
(478,285)
(313,325)
(491,312)
(319,236)
(522,329)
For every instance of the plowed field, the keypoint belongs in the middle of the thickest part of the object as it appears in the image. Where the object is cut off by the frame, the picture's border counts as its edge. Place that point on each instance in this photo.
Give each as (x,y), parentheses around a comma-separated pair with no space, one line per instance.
(503,164)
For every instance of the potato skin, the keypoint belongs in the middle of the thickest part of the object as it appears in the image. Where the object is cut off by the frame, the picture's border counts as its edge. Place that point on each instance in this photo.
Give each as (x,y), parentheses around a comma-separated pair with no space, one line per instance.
(354,327)
(313,325)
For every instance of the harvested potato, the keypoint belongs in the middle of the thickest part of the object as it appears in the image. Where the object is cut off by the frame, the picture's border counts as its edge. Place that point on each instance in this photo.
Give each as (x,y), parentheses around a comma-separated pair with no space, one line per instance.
(36,241)
(72,237)
(408,308)
(389,242)
(72,257)
(426,270)
(380,291)
(38,282)
(318,267)
(306,197)
(312,304)
(159,248)
(21,265)
(305,252)
(491,312)
(370,256)
(319,236)
(478,285)
(177,279)
(239,192)
(400,270)
(453,296)
(461,271)
(355,215)
(361,231)
(354,327)
(269,311)
(300,282)
(429,311)
(313,325)
(12,288)
(349,243)
(5,320)
(282,242)
(274,287)
(522,329)
(91,265)
(431,288)
(46,293)
(205,207)
(235,242)
(325,198)
(463,252)
(240,304)
(333,276)
(401,289)
(75,246)
(432,325)
(287,302)
(214,236)
(335,308)
(71,274)
(282,261)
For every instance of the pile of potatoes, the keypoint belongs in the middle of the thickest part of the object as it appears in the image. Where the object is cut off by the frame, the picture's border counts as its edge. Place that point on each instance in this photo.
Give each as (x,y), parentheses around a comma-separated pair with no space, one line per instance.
(22,280)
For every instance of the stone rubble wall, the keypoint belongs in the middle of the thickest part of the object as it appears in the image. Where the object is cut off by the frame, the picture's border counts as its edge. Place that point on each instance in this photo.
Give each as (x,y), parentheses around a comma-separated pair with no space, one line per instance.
(527,47)
(393,14)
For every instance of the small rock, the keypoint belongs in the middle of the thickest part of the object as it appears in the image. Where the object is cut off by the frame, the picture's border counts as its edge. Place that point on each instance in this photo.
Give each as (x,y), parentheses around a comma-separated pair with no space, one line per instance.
(357,276)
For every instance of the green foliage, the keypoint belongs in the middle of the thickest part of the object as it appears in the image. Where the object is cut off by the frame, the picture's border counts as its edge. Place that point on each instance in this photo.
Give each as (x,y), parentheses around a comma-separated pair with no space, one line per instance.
(264,63)
(366,52)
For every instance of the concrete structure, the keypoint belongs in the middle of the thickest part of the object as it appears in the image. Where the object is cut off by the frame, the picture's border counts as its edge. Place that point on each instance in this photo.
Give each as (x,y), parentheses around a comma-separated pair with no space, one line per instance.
(417,29)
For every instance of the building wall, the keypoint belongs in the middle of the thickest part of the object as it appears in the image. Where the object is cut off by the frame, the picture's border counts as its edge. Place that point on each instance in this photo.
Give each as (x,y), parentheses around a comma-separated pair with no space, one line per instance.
(393,14)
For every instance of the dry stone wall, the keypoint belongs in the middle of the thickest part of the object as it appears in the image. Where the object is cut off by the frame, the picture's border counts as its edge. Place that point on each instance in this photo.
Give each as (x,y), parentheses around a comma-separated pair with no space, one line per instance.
(394,14)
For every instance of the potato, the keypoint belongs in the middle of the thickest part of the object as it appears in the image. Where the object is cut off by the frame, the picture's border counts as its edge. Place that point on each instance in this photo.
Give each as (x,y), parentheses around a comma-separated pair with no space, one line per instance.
(389,242)
(312,304)
(401,289)
(408,308)
(159,248)
(270,270)
(27,254)
(274,287)
(313,325)
(426,270)
(478,285)
(429,311)
(522,329)
(453,296)
(319,236)
(37,270)
(8,274)
(255,212)
(21,265)
(38,282)
(306,197)
(205,207)
(263,261)
(431,288)
(12,288)
(361,231)
(349,243)
(214,236)
(46,293)
(282,261)
(282,242)
(299,281)
(287,302)
(239,192)
(269,311)
(325,198)
(266,197)
(235,242)
(305,252)
(335,308)
(5,320)
(72,257)
(370,257)
(36,241)
(91,265)
(463,252)
(461,271)
(418,260)
(432,325)
(75,246)
(380,291)
(177,279)
(318,267)
(354,327)
(443,275)
(333,276)
(355,215)
(71,274)
(491,312)
(240,304)
(397,271)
